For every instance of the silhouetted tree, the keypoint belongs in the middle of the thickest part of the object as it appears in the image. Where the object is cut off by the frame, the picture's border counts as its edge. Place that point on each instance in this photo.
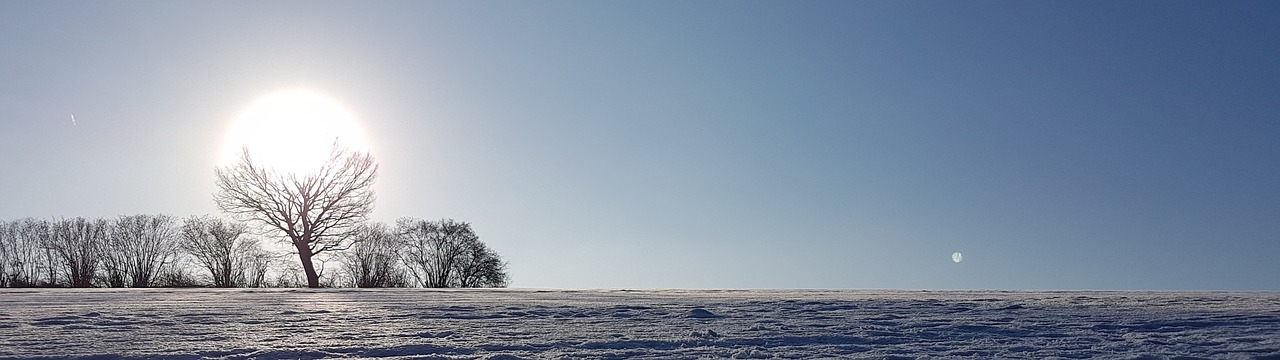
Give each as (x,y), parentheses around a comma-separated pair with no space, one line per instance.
(78,245)
(36,261)
(221,247)
(448,253)
(255,262)
(8,239)
(373,260)
(138,248)
(317,211)
(24,261)
(480,267)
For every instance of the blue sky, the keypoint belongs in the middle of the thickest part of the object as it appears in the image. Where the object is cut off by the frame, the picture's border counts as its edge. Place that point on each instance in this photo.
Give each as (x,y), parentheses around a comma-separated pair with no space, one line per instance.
(714,144)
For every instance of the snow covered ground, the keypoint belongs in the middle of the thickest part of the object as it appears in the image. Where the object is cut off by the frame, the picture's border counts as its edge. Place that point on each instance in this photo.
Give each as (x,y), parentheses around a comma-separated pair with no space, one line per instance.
(668,324)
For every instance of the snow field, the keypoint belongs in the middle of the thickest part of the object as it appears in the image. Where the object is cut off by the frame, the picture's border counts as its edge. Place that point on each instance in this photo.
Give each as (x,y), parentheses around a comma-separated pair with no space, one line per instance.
(616,324)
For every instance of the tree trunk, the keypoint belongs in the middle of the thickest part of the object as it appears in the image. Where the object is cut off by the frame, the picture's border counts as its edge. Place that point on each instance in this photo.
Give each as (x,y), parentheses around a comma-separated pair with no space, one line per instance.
(304,254)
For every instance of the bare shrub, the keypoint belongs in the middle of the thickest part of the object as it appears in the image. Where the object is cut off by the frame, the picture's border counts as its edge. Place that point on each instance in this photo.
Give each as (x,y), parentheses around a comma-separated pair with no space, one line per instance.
(374,258)
(447,253)
(7,249)
(254,262)
(224,249)
(138,248)
(480,267)
(78,243)
(26,262)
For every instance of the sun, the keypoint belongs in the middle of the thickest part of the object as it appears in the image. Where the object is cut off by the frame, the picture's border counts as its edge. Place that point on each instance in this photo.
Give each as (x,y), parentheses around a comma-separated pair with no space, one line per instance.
(292,131)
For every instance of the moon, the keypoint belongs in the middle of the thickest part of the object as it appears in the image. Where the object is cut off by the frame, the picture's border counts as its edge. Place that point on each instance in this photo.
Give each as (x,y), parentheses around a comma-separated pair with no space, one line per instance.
(957,257)
(292,131)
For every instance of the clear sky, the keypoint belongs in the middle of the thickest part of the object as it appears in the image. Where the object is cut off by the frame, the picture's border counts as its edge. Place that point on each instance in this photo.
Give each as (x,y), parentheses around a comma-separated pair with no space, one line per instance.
(712,144)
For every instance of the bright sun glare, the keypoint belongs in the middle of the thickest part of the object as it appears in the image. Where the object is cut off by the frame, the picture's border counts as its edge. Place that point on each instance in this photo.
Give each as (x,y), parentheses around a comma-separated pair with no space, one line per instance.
(292,131)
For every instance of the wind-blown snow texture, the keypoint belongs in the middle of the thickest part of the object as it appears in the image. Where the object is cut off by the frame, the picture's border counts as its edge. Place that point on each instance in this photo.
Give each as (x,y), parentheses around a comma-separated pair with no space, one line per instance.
(510,324)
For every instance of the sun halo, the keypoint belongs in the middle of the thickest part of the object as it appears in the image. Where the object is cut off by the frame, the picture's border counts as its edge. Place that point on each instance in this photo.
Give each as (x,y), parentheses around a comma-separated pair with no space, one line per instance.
(292,131)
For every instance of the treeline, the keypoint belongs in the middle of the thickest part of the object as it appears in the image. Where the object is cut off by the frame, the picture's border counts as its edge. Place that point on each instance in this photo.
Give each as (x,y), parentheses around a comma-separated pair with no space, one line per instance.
(200,251)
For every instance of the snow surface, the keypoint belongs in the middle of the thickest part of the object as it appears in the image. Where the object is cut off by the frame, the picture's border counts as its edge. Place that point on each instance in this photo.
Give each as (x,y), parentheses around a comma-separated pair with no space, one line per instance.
(668,324)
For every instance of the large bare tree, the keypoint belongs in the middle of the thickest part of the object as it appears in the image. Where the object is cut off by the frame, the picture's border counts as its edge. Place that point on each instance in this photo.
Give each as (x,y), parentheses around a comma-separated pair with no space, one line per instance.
(317,211)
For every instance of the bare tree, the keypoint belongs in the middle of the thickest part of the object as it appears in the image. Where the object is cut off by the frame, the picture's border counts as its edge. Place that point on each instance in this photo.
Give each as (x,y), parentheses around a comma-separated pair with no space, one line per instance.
(317,211)
(113,258)
(430,249)
(23,259)
(448,253)
(255,262)
(77,243)
(138,248)
(220,247)
(374,258)
(36,261)
(480,267)
(8,241)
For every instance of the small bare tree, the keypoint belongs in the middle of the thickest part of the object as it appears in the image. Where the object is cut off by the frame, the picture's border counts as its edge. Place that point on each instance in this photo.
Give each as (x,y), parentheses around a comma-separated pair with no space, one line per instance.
(255,261)
(138,248)
(480,267)
(8,241)
(27,262)
(317,212)
(220,247)
(78,244)
(35,265)
(430,249)
(448,253)
(373,260)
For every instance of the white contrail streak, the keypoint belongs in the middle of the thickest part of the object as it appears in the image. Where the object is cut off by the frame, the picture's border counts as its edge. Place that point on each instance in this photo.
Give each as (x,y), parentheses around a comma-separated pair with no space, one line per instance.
(73,119)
